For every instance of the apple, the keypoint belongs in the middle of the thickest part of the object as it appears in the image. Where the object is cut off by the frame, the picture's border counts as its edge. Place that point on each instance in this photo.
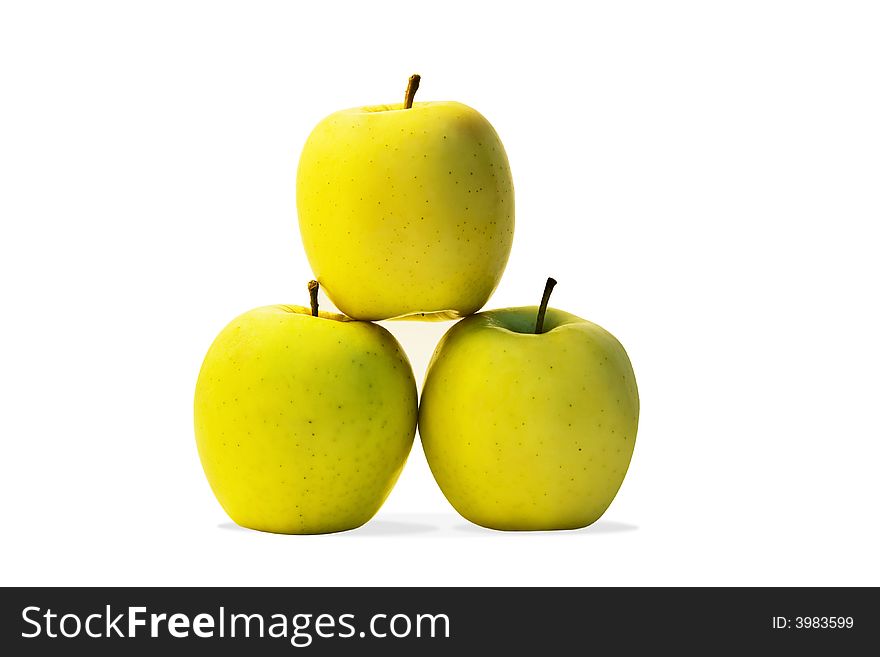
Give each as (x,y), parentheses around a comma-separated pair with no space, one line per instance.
(303,419)
(406,209)
(528,418)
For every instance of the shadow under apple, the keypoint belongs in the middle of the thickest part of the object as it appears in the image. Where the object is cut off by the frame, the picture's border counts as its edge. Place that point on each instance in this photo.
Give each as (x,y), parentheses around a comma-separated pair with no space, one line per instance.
(440,526)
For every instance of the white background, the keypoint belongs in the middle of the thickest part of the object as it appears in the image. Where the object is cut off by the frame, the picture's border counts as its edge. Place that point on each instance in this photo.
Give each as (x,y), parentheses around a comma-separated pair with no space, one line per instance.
(702,179)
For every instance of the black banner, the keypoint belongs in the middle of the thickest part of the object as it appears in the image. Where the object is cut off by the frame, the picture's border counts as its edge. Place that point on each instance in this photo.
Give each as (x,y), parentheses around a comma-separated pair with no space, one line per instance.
(319,621)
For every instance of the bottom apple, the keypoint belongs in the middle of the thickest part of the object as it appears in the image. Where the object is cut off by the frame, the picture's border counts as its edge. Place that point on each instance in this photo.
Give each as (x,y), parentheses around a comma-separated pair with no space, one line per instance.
(303,420)
(528,418)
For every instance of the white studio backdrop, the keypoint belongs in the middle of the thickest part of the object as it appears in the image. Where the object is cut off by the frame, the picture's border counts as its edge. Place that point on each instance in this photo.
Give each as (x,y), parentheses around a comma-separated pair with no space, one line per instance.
(701,178)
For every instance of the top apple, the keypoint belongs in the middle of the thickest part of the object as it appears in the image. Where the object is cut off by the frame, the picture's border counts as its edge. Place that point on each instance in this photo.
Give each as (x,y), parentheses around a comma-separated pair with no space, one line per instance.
(406,209)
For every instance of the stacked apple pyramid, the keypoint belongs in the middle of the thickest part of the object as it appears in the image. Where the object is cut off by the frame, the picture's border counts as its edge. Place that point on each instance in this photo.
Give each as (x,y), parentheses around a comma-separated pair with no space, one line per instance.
(304,419)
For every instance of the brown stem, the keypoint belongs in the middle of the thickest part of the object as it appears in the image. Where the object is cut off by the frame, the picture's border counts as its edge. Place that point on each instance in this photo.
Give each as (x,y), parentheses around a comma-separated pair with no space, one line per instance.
(542,309)
(313,297)
(411,88)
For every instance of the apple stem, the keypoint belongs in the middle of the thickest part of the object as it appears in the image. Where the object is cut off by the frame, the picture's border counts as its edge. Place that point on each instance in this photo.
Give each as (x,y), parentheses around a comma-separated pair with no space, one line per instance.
(542,309)
(411,88)
(313,297)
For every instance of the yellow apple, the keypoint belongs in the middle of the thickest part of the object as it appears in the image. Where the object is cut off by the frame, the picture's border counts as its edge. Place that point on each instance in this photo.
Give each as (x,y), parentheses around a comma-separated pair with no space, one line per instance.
(406,210)
(525,429)
(303,423)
